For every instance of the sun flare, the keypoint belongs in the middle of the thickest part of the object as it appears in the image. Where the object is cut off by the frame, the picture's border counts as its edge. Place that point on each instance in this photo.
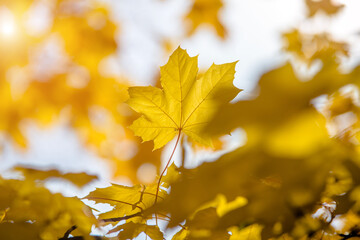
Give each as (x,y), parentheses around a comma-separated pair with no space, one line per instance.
(8,26)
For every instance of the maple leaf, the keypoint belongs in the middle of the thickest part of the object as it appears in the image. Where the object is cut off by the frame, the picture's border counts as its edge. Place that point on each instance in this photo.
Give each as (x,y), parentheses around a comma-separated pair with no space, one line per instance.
(282,96)
(206,12)
(126,200)
(79,179)
(309,48)
(185,104)
(327,6)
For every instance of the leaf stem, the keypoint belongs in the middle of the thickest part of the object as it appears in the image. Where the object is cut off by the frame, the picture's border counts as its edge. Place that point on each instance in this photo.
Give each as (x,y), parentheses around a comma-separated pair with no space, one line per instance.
(163,172)
(183,154)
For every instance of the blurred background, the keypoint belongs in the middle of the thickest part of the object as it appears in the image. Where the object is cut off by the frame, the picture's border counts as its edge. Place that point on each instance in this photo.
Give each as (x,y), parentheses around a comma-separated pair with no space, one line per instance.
(65,67)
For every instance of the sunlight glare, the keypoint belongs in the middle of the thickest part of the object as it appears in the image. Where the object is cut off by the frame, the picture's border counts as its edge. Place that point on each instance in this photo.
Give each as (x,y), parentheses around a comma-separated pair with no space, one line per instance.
(7,23)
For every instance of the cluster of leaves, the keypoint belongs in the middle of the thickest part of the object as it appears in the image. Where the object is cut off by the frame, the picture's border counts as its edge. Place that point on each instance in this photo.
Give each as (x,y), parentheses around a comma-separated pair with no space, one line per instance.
(289,169)
(296,174)
(30,211)
(184,105)
(298,170)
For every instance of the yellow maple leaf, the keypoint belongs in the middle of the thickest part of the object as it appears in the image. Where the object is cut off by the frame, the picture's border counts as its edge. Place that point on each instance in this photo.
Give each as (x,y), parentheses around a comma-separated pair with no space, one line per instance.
(185,103)
(309,48)
(206,12)
(252,232)
(327,6)
(127,201)
(79,179)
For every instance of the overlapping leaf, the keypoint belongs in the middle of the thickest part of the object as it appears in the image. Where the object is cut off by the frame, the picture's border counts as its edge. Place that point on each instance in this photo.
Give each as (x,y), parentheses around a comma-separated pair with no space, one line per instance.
(126,200)
(282,95)
(32,211)
(79,179)
(311,47)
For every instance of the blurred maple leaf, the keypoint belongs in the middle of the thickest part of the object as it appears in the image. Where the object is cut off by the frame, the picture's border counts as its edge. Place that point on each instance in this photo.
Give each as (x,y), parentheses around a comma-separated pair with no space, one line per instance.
(326,6)
(206,12)
(282,97)
(311,47)
(79,179)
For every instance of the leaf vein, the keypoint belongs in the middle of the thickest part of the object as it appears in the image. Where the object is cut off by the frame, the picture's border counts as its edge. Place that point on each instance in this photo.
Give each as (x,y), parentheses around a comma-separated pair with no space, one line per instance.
(206,96)
(160,109)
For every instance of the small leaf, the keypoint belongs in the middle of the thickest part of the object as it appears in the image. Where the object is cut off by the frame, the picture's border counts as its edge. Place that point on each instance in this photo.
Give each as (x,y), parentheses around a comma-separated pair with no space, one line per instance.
(206,12)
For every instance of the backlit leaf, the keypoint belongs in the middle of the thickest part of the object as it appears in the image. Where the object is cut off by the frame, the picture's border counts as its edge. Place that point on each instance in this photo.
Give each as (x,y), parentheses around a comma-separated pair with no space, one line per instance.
(125,200)
(185,103)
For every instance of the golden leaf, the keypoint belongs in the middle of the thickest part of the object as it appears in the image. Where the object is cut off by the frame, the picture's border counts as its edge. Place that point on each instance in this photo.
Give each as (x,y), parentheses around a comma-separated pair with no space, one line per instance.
(282,96)
(252,232)
(126,200)
(206,12)
(184,104)
(326,6)
(79,179)
(32,209)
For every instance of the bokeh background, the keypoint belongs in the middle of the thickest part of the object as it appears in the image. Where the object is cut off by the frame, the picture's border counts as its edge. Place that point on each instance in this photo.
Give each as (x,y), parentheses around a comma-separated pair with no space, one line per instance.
(65,67)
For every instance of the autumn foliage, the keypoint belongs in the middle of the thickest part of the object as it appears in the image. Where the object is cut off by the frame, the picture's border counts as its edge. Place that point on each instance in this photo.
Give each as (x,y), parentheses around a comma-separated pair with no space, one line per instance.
(296,176)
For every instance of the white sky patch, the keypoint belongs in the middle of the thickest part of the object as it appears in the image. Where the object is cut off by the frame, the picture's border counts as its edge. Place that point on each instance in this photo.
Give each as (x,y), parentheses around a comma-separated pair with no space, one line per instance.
(8,25)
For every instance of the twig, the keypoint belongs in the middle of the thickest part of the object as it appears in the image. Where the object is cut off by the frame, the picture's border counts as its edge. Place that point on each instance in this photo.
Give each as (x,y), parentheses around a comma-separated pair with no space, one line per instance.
(67,234)
(348,236)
